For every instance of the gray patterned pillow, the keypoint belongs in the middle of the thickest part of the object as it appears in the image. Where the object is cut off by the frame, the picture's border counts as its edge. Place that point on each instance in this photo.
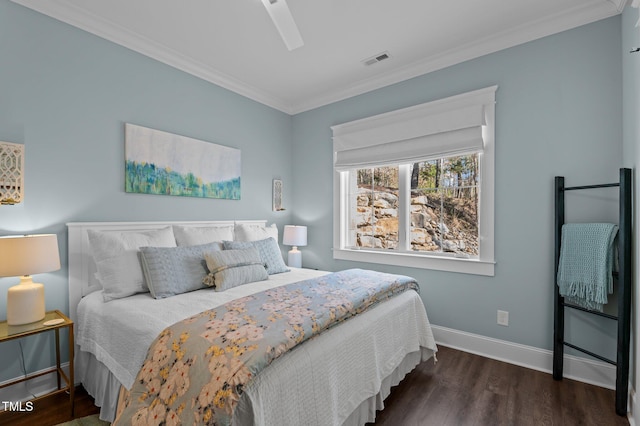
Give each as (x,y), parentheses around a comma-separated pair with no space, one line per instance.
(175,270)
(231,268)
(269,253)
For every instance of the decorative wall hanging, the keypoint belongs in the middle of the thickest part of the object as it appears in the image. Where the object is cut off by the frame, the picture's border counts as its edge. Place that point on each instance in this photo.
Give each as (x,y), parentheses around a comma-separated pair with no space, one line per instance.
(11,173)
(166,164)
(277,195)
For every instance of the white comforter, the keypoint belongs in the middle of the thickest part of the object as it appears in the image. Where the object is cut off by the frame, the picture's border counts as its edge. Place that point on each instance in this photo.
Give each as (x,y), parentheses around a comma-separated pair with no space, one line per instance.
(320,382)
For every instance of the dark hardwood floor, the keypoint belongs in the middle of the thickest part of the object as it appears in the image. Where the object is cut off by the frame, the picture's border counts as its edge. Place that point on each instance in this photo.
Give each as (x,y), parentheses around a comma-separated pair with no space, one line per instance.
(461,389)
(51,410)
(466,389)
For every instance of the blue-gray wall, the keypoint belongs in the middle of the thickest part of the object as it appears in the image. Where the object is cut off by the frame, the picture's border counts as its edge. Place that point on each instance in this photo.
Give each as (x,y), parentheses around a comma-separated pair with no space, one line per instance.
(558,112)
(66,95)
(631,149)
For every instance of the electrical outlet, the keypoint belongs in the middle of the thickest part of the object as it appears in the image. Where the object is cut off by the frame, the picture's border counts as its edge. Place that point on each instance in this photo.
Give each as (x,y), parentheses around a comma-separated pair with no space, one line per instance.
(503,318)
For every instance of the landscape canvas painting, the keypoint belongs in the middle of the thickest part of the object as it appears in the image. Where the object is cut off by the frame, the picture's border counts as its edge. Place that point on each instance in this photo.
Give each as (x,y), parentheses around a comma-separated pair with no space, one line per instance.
(166,164)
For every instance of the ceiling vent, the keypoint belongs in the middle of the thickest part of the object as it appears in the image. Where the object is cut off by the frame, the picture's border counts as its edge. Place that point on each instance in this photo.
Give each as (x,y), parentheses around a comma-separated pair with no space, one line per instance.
(377,58)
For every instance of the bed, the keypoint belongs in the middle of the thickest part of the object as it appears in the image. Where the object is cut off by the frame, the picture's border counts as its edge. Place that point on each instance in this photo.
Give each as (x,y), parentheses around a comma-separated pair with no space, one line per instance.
(340,376)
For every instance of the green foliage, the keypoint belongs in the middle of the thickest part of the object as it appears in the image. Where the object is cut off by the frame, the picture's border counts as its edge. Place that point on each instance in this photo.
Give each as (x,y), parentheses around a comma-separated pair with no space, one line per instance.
(450,172)
(146,178)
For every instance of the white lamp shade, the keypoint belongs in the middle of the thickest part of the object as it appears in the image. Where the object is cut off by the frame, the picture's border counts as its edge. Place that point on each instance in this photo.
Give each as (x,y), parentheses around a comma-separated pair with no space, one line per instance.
(28,254)
(294,235)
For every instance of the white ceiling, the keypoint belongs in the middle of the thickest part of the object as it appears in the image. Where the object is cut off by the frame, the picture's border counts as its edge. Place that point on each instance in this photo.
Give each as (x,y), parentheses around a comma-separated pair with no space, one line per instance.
(234,43)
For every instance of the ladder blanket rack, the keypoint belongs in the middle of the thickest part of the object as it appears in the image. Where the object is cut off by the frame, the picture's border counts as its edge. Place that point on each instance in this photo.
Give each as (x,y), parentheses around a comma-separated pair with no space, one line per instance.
(624,283)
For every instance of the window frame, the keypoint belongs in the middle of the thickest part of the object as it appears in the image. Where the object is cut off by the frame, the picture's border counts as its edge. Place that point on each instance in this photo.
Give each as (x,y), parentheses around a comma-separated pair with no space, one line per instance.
(484,264)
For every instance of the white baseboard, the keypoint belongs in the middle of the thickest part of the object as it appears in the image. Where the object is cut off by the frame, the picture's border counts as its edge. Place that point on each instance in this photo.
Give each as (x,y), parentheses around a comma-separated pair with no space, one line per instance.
(31,388)
(581,369)
(584,370)
(634,415)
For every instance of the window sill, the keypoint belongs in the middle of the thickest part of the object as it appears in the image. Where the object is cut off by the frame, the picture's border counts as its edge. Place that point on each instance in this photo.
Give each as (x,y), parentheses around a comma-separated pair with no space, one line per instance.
(438,263)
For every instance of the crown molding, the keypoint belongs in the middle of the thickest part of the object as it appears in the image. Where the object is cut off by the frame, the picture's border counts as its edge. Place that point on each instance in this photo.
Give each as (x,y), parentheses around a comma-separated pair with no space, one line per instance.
(589,11)
(619,4)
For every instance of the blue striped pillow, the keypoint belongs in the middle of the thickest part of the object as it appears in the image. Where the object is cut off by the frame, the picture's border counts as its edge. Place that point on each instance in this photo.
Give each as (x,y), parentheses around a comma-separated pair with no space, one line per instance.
(175,270)
(231,268)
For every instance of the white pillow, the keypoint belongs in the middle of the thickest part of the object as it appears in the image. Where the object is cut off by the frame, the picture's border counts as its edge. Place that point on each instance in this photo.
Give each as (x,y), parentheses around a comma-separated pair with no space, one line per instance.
(249,232)
(195,236)
(116,257)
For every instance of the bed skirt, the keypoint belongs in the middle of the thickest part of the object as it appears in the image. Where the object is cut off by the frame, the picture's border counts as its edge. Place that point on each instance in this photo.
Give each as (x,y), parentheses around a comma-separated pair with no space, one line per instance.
(99,383)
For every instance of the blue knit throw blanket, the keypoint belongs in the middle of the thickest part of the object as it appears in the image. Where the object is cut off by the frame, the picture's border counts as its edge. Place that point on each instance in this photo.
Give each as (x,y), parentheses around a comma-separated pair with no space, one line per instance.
(586,263)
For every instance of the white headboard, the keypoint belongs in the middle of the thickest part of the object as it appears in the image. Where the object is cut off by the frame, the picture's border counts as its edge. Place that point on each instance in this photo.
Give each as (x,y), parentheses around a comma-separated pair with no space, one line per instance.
(82,268)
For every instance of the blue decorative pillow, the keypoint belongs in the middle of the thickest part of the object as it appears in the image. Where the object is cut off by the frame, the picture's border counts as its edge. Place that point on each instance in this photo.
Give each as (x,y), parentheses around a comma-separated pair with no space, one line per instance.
(231,268)
(269,253)
(175,270)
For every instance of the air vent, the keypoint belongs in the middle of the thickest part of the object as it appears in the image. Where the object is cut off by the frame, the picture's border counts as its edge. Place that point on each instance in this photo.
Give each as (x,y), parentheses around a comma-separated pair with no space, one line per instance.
(377,58)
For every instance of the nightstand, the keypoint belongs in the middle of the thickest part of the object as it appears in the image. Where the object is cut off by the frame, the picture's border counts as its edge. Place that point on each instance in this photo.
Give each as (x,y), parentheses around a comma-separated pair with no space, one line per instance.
(53,321)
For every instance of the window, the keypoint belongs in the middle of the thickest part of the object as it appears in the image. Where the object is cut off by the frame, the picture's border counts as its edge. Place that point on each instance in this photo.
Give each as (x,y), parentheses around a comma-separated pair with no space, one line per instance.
(414,187)
(442,209)
(374,208)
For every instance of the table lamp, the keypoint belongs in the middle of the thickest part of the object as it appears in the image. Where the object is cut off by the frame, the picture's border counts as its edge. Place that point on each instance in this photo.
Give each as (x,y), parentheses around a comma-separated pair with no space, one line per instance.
(294,236)
(23,255)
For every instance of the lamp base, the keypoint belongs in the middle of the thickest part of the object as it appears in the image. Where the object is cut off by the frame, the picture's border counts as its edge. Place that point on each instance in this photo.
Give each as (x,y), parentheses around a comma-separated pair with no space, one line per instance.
(25,302)
(295,258)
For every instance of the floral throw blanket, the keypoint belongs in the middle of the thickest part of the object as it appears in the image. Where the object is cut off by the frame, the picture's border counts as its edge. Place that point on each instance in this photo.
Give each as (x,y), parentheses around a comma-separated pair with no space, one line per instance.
(196,369)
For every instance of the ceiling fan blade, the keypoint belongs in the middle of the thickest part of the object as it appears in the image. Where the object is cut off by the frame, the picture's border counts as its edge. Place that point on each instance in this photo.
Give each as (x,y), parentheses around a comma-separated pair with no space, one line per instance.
(283,20)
